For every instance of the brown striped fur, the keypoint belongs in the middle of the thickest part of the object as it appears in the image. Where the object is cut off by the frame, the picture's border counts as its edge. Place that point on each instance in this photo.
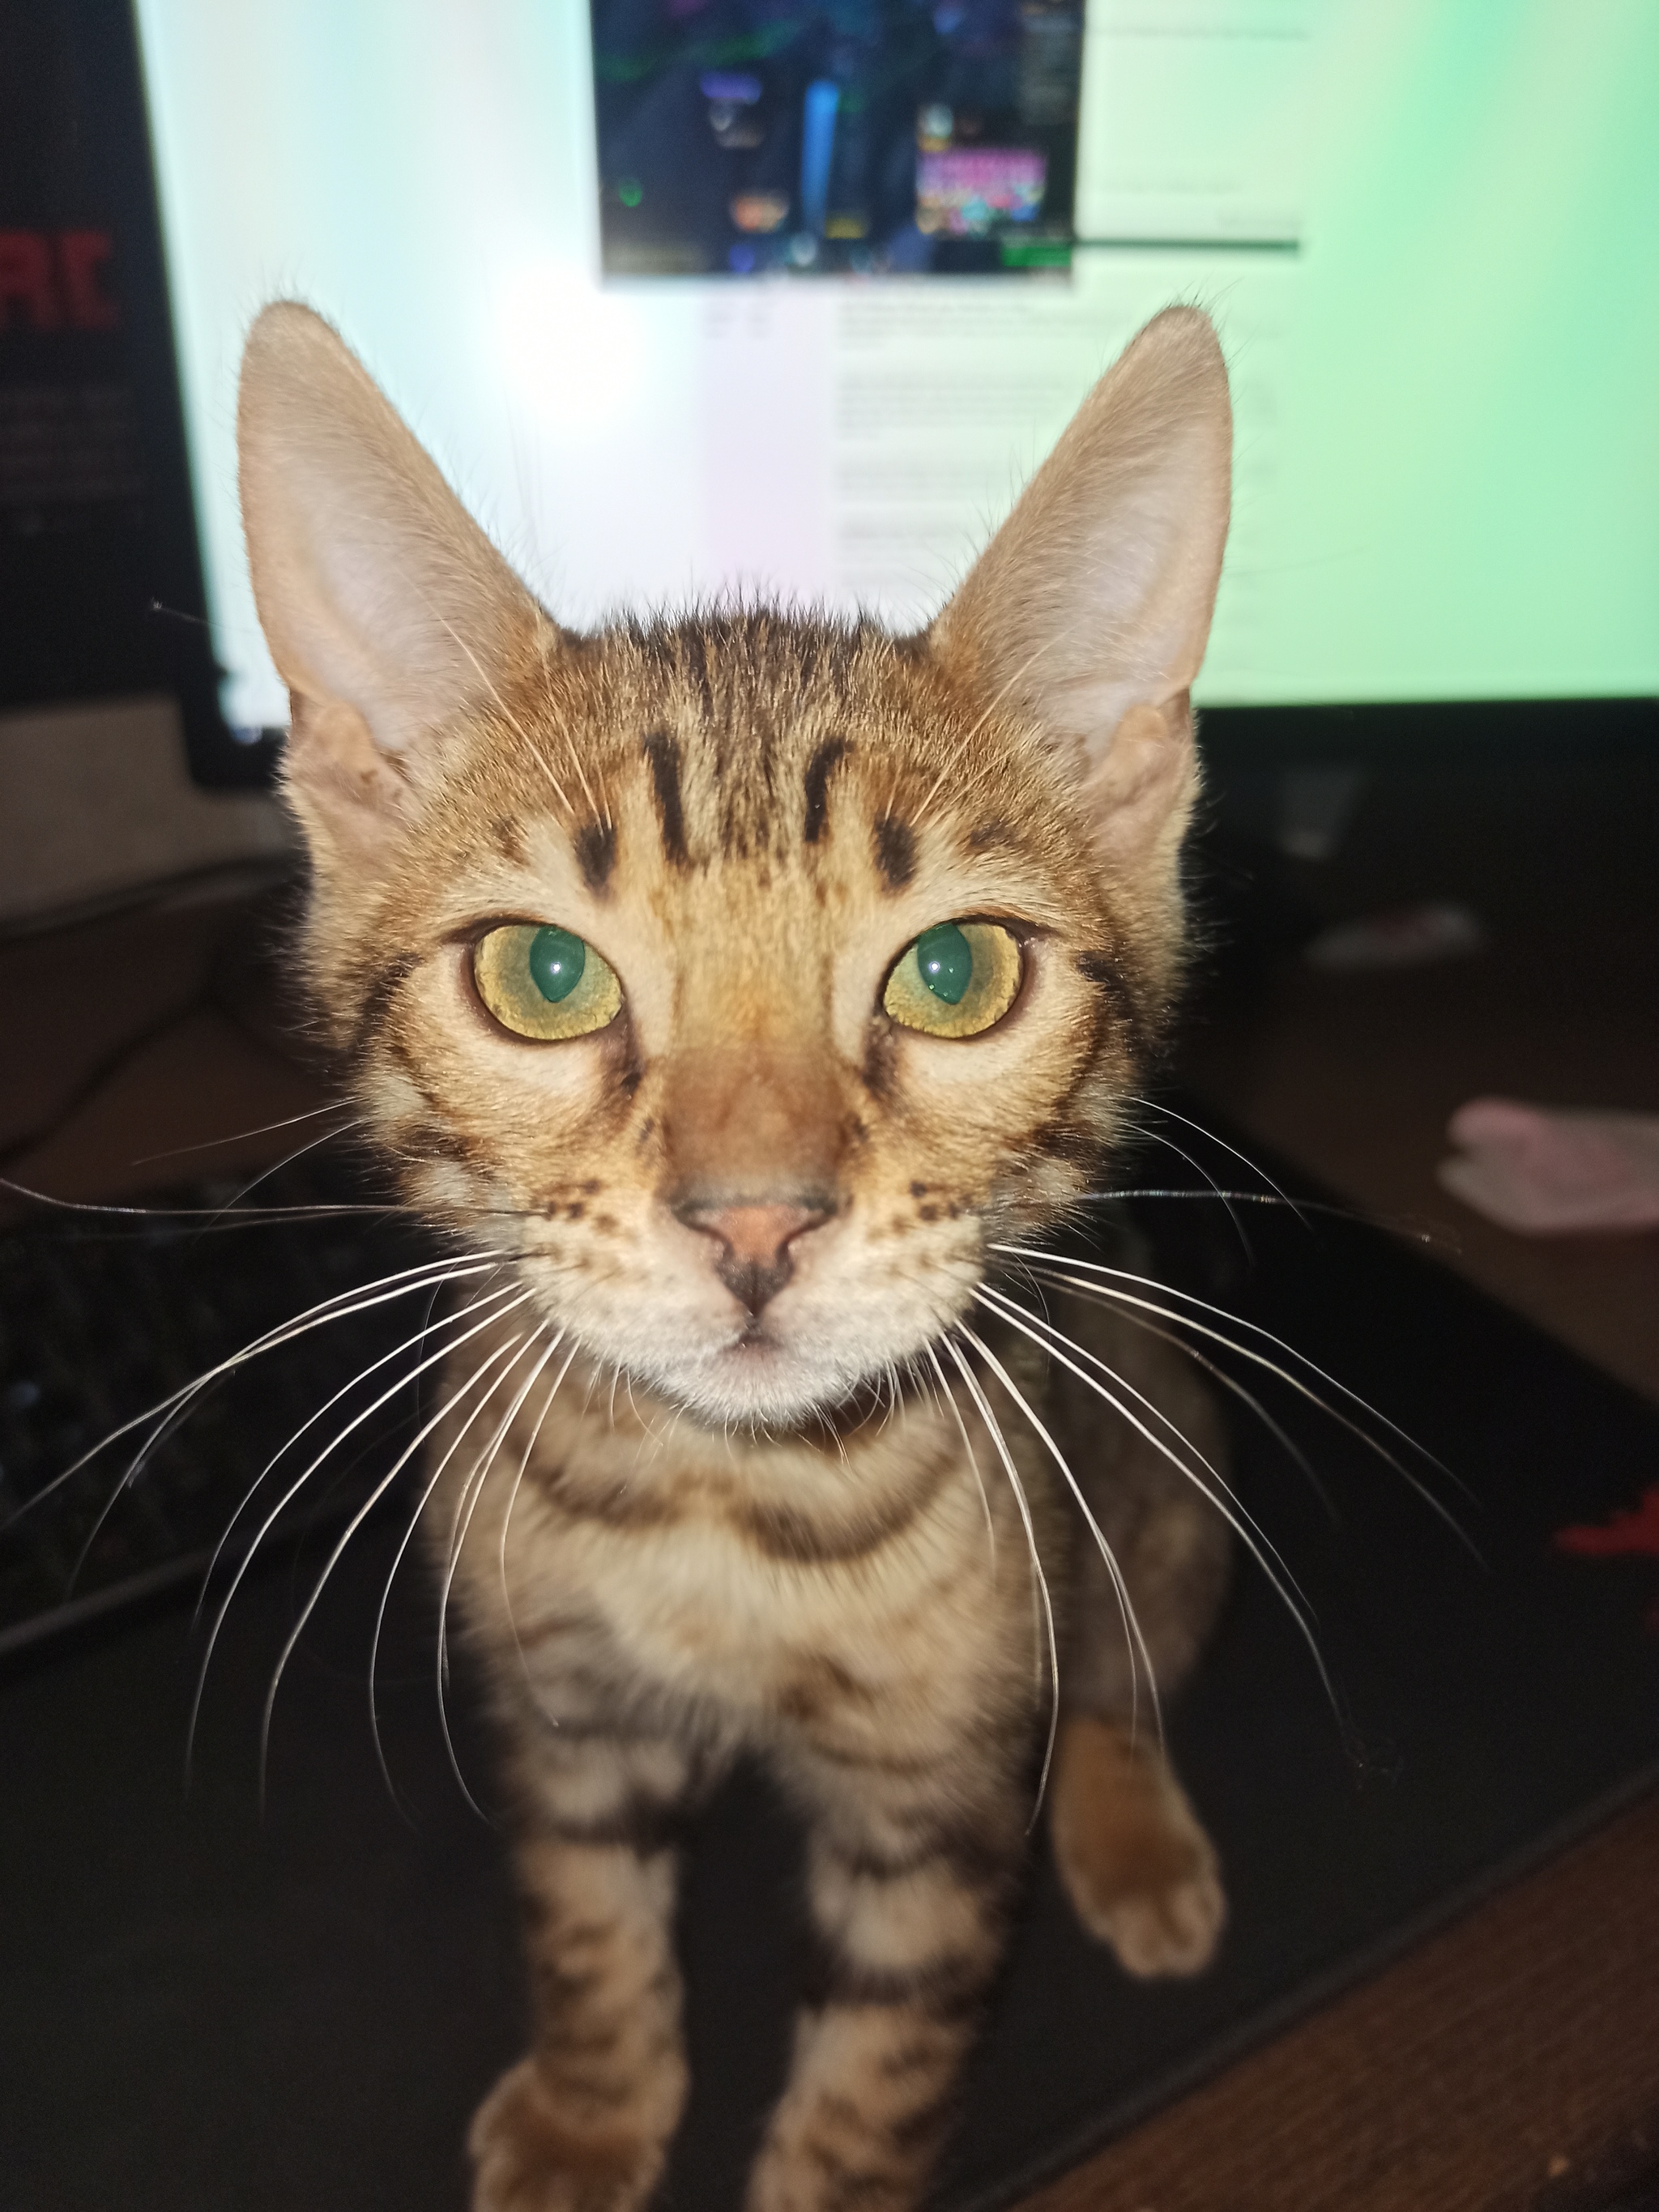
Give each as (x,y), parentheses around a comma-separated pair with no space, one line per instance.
(699,1506)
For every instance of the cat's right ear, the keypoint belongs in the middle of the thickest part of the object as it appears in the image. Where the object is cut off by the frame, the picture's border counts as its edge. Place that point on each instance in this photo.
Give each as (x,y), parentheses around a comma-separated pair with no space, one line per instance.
(387,610)
(1089,610)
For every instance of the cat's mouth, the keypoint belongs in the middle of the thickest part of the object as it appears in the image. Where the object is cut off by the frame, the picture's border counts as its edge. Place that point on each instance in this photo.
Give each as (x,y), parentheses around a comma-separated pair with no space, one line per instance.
(759,1375)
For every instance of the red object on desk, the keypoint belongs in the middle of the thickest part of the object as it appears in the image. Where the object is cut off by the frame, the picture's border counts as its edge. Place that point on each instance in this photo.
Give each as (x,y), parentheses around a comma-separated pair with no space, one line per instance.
(1633,1531)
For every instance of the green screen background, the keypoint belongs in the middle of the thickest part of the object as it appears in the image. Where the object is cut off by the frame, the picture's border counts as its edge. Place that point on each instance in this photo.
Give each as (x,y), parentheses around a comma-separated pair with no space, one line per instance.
(1467,498)
(1447,394)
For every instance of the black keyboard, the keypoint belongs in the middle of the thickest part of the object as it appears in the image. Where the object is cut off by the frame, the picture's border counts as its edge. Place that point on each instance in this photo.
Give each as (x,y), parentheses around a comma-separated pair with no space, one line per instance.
(103,1315)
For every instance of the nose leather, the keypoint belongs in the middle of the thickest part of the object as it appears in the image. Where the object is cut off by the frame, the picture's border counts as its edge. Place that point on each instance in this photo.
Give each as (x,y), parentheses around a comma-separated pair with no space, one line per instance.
(754,1261)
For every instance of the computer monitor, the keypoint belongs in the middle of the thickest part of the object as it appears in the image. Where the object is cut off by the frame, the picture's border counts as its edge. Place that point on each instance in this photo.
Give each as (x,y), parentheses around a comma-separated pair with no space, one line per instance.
(100,573)
(1427,235)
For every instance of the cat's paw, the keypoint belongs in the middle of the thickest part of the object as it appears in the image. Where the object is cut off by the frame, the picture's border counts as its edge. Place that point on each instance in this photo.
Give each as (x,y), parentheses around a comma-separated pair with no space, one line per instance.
(1141,1874)
(526,2158)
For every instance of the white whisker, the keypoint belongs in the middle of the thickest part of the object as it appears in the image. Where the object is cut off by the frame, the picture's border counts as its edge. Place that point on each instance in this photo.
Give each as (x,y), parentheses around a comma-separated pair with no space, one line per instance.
(1058,1345)
(962,742)
(489,1320)
(1158,1106)
(510,1351)
(472,1491)
(1219,1491)
(237,1136)
(449,1321)
(949,1398)
(210,1215)
(177,1410)
(338,1308)
(1040,1586)
(1055,1271)
(512,1497)
(1280,1435)
(1156,1136)
(1300,1206)
(286,1161)
(1135,1641)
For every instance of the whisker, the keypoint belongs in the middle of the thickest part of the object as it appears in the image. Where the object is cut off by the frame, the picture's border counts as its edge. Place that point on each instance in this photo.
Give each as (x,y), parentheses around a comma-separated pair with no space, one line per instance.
(362,1375)
(1280,1435)
(1134,1639)
(331,1308)
(491,1299)
(514,1347)
(287,1159)
(237,1136)
(1055,1342)
(1118,1299)
(516,726)
(1297,1205)
(1158,1106)
(472,1490)
(963,743)
(1156,1136)
(1188,1298)
(1040,1587)
(513,1497)
(352,1526)
(1219,1492)
(214,1214)
(949,1398)
(170,1412)
(489,1320)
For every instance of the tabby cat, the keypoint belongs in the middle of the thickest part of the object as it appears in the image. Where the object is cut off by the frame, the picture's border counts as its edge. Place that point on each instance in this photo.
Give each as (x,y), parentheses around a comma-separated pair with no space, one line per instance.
(735,991)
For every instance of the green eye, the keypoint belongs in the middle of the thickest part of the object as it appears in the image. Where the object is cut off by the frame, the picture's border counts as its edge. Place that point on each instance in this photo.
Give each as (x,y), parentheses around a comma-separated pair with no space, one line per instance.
(957,980)
(545,982)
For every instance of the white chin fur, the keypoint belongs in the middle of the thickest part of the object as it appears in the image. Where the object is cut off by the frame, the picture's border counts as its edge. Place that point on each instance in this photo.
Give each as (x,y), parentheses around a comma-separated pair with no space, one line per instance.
(759,1386)
(802,1361)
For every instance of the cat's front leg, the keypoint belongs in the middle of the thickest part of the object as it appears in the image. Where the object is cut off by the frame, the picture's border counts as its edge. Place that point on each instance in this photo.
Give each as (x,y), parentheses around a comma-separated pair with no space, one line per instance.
(909,1898)
(582,2122)
(1140,1871)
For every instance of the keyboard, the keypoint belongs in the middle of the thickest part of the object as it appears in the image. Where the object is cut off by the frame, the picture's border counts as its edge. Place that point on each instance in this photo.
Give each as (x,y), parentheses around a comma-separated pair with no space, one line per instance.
(104,1315)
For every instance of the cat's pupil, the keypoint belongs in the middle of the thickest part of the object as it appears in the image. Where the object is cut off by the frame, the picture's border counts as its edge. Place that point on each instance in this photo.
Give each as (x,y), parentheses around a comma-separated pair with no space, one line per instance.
(556,960)
(946,960)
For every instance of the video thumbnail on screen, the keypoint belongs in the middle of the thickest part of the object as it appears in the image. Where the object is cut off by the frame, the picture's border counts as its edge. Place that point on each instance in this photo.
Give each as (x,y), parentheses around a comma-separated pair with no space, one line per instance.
(807,138)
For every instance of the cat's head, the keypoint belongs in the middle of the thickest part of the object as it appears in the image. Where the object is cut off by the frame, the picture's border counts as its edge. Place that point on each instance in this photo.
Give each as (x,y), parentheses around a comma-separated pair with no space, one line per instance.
(745,974)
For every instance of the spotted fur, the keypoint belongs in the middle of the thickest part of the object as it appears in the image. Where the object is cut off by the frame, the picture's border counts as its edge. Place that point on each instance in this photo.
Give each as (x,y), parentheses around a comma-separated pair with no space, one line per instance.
(697,1498)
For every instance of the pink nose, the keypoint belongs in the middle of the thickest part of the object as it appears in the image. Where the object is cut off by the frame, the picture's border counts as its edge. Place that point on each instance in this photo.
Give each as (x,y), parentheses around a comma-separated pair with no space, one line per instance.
(755,1261)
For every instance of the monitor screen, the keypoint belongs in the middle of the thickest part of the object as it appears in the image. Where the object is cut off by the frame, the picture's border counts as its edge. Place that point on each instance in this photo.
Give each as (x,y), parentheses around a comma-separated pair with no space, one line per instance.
(807,138)
(1429,235)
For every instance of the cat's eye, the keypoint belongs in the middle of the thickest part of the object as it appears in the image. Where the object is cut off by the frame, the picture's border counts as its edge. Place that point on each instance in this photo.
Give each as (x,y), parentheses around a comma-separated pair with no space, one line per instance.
(958,979)
(543,982)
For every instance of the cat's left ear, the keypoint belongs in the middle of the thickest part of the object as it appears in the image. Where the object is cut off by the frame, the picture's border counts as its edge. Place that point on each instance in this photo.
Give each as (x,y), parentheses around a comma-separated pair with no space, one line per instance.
(388,612)
(1090,609)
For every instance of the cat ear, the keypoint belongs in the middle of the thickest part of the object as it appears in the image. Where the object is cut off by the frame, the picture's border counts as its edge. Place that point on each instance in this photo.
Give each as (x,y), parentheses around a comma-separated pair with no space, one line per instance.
(1089,609)
(387,610)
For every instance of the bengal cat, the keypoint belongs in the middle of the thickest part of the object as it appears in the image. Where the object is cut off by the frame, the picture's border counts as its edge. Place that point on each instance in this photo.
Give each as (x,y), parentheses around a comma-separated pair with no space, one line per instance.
(738,990)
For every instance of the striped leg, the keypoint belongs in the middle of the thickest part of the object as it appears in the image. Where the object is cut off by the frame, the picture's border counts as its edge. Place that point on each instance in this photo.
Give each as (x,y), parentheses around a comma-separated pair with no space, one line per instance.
(1140,1869)
(582,2123)
(909,1898)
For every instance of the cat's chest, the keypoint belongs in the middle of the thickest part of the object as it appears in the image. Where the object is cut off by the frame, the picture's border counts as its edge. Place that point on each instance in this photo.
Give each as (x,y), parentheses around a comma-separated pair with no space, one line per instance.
(839,1620)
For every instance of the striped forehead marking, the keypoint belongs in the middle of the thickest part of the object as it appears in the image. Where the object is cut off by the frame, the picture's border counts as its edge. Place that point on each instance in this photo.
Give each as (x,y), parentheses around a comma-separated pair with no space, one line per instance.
(662,755)
(596,854)
(818,771)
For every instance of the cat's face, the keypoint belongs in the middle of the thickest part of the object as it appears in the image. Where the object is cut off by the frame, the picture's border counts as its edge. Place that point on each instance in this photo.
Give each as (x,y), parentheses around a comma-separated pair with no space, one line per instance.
(621,932)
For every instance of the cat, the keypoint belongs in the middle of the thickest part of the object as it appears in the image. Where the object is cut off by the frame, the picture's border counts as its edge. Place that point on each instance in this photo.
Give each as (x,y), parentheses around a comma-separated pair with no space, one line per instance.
(744,994)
